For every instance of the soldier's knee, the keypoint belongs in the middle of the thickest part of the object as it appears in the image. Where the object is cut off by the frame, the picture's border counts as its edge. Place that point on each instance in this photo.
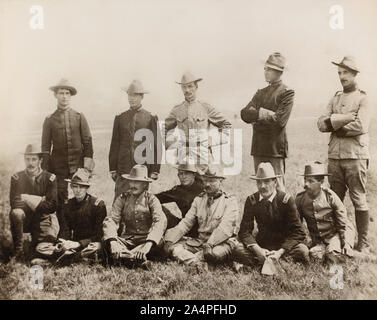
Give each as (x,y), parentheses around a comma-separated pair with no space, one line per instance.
(45,249)
(218,253)
(17,214)
(301,253)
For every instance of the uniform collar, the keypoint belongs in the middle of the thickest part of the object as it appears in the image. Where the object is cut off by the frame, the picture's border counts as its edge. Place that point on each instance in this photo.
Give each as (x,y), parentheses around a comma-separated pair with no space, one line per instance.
(276,83)
(62,110)
(83,200)
(34,176)
(271,198)
(137,110)
(350,88)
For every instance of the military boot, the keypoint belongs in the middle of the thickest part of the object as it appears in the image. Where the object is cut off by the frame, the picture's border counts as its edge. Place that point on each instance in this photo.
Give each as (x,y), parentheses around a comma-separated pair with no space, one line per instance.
(17,236)
(362,225)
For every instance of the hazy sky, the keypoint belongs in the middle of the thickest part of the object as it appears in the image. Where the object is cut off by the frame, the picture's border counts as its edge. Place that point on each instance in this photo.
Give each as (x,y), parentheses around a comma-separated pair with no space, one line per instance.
(102,45)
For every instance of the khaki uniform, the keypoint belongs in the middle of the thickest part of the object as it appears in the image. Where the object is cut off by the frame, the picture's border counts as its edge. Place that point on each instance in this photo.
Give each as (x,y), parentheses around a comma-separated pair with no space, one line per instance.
(193,120)
(327,221)
(136,220)
(216,219)
(348,146)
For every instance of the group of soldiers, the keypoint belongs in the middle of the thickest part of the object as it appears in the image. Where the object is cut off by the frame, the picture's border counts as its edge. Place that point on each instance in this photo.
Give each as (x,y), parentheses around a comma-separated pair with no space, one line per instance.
(195,222)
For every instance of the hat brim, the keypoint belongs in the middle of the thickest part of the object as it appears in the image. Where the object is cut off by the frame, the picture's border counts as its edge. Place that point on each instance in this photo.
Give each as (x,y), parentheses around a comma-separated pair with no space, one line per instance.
(315,174)
(197,80)
(70,88)
(216,177)
(126,90)
(189,170)
(77,182)
(128,177)
(344,66)
(271,66)
(266,178)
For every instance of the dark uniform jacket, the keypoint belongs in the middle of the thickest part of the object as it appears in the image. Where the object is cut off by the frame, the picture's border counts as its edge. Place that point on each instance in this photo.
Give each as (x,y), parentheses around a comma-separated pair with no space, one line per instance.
(278,222)
(139,217)
(269,134)
(123,144)
(82,221)
(67,138)
(44,185)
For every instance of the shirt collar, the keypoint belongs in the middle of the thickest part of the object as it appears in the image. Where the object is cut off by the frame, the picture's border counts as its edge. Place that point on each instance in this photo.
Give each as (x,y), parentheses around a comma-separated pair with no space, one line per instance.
(271,198)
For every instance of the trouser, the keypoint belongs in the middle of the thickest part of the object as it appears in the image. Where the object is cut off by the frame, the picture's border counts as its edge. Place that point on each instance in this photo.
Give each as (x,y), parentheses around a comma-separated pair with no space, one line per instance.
(62,189)
(121,185)
(252,257)
(43,228)
(351,174)
(279,167)
(188,251)
(132,242)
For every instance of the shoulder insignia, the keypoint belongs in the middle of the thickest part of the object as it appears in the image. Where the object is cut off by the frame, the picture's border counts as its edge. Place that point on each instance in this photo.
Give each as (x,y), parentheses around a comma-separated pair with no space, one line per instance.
(300,193)
(337,93)
(15,176)
(286,198)
(252,199)
(201,194)
(96,203)
(363,92)
(52,177)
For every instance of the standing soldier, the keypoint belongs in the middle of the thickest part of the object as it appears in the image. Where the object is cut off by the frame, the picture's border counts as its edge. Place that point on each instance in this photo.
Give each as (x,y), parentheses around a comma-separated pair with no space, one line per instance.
(33,201)
(123,143)
(193,119)
(269,112)
(347,118)
(67,140)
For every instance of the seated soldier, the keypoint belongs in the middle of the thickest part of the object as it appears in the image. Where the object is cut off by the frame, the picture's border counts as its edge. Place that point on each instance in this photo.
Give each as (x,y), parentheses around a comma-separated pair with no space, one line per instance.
(33,202)
(183,194)
(142,218)
(216,214)
(325,215)
(82,217)
(279,229)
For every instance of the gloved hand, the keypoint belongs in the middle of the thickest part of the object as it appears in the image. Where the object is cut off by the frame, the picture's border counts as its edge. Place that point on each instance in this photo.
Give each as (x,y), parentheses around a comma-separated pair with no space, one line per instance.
(68,244)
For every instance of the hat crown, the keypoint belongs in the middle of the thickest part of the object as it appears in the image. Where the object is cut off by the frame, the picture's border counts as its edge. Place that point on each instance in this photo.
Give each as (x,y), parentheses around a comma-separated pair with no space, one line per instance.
(81,175)
(139,171)
(315,169)
(276,59)
(136,87)
(214,171)
(265,171)
(64,84)
(348,62)
(188,77)
(33,148)
(187,167)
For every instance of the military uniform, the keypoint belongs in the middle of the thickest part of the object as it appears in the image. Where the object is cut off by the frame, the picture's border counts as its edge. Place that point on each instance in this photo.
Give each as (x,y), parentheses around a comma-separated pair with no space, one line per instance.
(82,221)
(183,196)
(67,139)
(139,219)
(326,218)
(41,222)
(349,150)
(216,217)
(193,120)
(279,227)
(123,144)
(269,112)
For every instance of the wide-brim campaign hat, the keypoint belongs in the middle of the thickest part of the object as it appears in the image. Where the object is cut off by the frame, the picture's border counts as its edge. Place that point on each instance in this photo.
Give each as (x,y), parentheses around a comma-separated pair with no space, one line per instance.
(32,149)
(136,87)
(186,166)
(276,61)
(315,169)
(349,63)
(64,84)
(81,177)
(265,171)
(188,77)
(213,171)
(139,172)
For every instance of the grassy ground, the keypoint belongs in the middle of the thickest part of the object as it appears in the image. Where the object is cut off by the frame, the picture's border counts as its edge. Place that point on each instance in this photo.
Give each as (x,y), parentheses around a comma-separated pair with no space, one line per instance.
(172,281)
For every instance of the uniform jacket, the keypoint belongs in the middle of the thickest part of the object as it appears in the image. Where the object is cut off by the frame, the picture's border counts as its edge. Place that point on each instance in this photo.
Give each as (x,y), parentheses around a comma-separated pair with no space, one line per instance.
(123,144)
(183,196)
(278,222)
(325,216)
(44,185)
(269,112)
(82,221)
(67,138)
(348,140)
(192,119)
(216,221)
(140,216)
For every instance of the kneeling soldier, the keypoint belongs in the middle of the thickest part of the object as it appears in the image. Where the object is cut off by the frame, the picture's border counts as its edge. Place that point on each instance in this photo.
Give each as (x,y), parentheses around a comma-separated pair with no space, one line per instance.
(325,216)
(216,214)
(279,228)
(82,218)
(33,202)
(141,217)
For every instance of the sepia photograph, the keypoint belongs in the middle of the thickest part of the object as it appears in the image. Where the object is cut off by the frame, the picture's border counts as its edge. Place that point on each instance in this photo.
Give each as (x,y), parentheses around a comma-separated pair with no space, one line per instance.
(207,150)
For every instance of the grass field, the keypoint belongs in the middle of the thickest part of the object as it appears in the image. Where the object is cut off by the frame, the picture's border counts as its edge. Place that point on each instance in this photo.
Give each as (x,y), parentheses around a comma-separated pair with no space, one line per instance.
(172,281)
